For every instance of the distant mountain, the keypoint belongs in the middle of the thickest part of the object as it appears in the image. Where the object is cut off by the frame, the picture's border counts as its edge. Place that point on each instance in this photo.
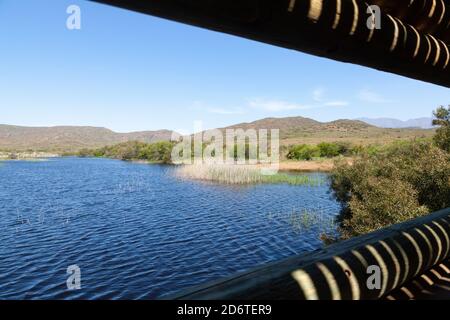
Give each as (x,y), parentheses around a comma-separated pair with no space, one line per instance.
(66,138)
(304,130)
(423,123)
(293,130)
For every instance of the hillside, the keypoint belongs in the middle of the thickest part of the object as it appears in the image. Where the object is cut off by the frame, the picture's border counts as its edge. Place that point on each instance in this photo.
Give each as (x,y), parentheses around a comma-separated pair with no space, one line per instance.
(67,138)
(295,130)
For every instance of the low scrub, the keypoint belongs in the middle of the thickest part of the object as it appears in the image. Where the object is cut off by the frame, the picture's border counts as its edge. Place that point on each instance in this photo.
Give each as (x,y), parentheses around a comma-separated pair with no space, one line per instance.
(401,182)
(330,150)
(442,136)
(303,152)
(134,150)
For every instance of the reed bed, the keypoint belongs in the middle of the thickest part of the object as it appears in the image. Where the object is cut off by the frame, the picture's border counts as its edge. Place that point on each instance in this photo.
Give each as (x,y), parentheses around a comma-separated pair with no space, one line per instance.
(242,174)
(307,220)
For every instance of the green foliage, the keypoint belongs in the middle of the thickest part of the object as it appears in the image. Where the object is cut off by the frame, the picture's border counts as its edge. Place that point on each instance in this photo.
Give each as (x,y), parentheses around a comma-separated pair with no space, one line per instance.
(371,150)
(134,150)
(382,202)
(334,149)
(158,152)
(401,182)
(303,152)
(442,137)
(292,179)
(99,153)
(327,150)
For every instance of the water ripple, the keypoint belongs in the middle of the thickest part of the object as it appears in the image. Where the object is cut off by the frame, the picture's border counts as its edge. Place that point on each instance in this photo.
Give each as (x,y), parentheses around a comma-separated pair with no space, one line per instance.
(136,231)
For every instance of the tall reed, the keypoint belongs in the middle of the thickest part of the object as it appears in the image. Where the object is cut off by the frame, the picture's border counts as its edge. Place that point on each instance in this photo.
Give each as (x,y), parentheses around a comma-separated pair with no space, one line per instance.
(241,174)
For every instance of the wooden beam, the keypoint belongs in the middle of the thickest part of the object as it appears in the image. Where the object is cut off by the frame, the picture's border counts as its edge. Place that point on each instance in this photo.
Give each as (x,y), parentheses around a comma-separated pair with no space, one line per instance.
(427,16)
(336,29)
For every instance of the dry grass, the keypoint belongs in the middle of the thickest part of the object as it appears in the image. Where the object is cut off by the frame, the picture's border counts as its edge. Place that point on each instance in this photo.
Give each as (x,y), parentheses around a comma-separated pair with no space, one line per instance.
(321,165)
(241,174)
(231,174)
(364,137)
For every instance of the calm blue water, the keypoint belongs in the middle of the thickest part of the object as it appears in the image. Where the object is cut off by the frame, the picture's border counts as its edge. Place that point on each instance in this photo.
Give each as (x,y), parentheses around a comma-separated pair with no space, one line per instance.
(136,231)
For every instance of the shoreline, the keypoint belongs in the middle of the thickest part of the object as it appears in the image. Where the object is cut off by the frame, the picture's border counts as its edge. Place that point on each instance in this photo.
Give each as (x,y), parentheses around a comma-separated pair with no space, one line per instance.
(27,156)
(316,165)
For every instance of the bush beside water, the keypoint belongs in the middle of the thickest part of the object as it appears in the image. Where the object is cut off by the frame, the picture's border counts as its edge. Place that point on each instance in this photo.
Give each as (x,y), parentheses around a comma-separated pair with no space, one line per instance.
(134,150)
(330,150)
(377,191)
(400,182)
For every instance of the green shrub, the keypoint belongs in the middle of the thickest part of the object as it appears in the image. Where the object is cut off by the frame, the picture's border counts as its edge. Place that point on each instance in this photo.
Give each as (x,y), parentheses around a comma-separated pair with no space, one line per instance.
(334,149)
(303,152)
(158,152)
(356,150)
(131,150)
(328,150)
(324,150)
(381,202)
(99,153)
(442,136)
(399,183)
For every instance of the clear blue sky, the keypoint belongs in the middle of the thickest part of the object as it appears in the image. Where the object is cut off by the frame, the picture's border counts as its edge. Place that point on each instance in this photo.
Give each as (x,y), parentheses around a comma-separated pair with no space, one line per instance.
(128,71)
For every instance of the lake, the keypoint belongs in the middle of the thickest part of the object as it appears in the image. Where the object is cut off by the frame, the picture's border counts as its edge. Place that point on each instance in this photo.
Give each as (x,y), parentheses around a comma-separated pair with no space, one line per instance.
(138,232)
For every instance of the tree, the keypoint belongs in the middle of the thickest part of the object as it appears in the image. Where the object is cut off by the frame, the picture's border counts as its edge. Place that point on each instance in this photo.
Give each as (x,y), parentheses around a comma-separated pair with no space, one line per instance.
(131,150)
(442,119)
(334,149)
(328,150)
(303,152)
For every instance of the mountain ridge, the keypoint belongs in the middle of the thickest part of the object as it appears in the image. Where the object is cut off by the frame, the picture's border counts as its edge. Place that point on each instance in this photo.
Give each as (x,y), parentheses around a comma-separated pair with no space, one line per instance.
(301,130)
(70,138)
(423,122)
(293,130)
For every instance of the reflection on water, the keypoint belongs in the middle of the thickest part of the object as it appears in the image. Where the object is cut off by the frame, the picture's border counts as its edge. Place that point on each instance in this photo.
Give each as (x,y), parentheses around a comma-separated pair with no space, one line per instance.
(138,232)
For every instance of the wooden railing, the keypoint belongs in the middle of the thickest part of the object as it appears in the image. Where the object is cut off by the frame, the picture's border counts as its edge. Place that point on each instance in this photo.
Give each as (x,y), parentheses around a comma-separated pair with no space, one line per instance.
(345,270)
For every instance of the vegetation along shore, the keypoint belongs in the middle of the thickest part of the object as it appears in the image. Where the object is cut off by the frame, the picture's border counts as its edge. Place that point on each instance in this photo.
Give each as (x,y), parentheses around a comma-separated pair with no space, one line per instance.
(378,183)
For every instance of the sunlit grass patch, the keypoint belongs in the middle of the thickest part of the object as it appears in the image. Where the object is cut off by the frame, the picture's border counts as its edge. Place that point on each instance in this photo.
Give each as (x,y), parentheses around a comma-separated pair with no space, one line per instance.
(293,179)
